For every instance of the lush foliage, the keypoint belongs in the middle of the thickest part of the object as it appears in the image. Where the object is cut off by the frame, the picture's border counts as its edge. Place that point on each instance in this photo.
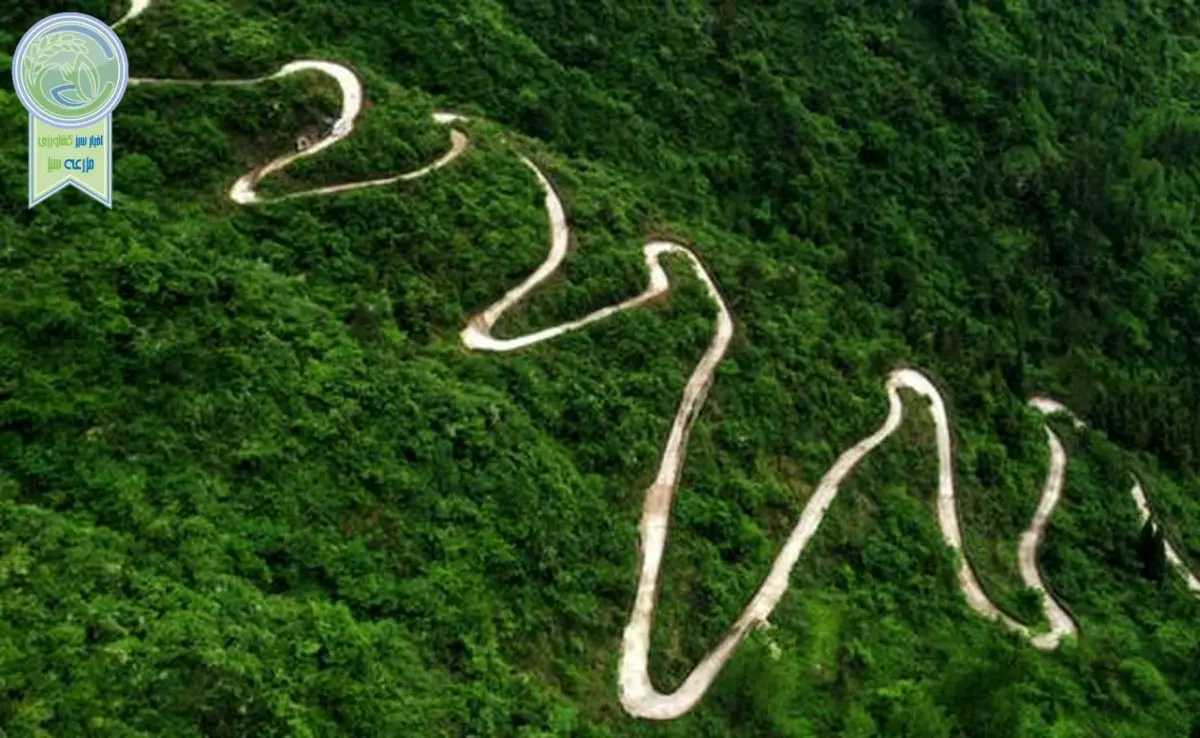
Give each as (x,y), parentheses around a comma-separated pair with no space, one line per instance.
(251,485)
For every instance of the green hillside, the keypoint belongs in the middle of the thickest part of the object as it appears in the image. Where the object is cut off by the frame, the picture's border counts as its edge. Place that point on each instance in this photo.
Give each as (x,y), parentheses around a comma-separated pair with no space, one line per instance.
(253,484)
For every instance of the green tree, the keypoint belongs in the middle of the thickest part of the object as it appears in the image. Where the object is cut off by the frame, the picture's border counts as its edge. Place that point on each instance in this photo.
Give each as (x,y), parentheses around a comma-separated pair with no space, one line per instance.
(1152,552)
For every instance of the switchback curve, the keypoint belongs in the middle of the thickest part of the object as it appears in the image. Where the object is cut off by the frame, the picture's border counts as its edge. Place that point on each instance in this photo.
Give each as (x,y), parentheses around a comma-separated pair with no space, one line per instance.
(244,190)
(638,695)
(136,8)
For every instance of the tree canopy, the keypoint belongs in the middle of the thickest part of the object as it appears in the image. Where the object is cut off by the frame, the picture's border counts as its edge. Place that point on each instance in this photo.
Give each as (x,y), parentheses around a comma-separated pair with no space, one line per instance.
(251,484)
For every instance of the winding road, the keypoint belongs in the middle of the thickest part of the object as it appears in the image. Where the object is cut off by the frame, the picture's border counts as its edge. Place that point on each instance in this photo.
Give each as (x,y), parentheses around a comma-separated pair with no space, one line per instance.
(637,692)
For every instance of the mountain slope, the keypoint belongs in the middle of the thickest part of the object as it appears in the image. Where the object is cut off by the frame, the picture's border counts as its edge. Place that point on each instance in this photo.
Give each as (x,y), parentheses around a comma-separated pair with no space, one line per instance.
(254,486)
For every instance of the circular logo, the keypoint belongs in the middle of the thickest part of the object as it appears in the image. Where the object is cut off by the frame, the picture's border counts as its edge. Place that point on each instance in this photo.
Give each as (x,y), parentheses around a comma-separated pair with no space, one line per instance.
(70,70)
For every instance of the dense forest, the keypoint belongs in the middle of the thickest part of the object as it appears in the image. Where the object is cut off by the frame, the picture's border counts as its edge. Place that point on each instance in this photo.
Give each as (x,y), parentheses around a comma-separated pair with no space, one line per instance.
(252,484)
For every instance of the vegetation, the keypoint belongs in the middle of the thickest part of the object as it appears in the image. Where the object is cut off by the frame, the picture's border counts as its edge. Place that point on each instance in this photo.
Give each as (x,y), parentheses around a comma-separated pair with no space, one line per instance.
(252,485)
(1152,551)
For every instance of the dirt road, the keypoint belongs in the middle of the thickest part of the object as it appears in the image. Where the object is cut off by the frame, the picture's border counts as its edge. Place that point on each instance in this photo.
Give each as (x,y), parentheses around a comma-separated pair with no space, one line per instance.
(637,692)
